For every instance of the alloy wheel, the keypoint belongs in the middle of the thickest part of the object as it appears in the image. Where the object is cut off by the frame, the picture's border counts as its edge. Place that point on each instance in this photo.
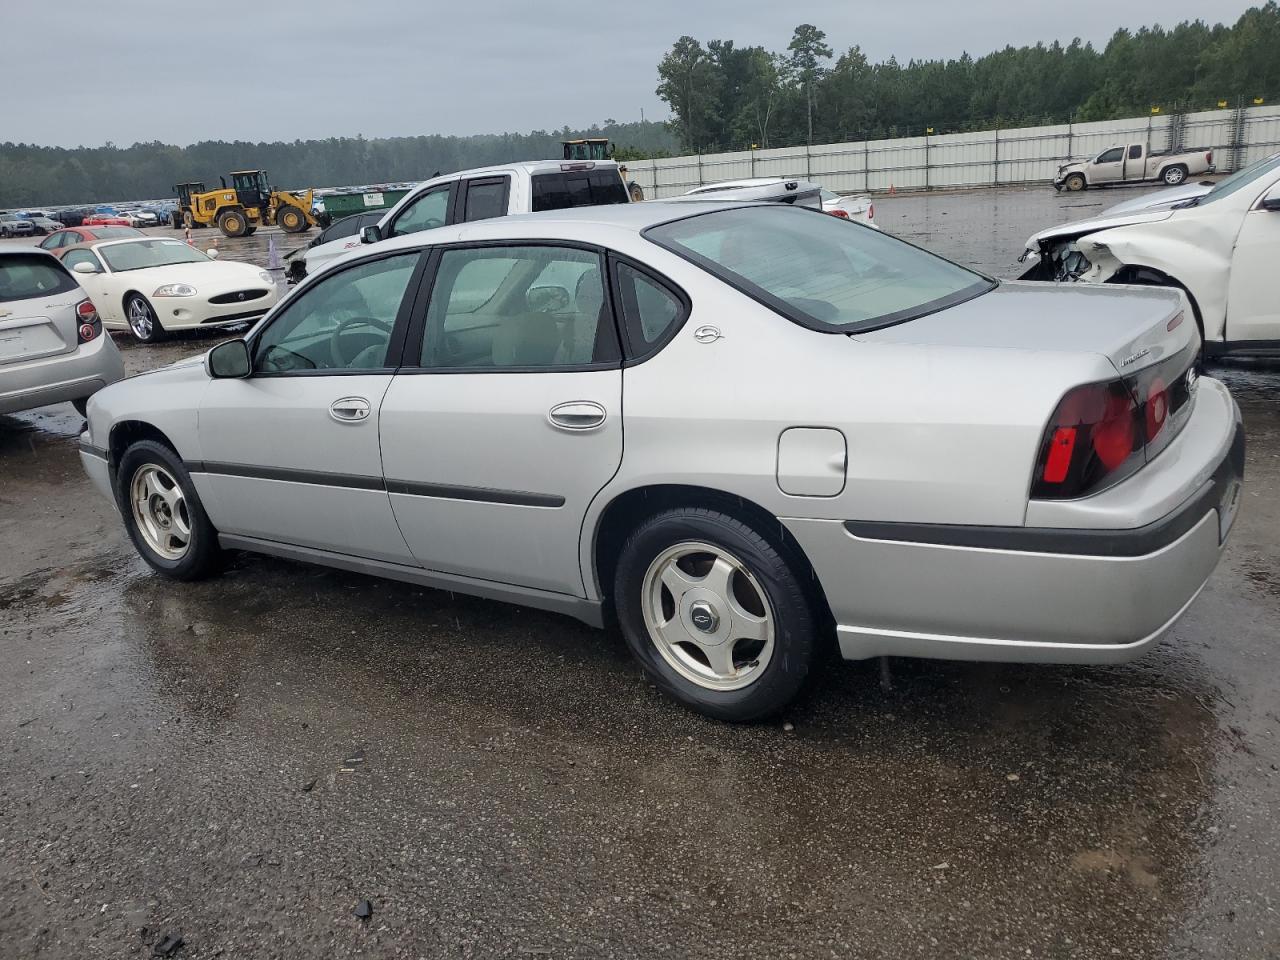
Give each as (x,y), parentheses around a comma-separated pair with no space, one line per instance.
(140,318)
(160,511)
(708,616)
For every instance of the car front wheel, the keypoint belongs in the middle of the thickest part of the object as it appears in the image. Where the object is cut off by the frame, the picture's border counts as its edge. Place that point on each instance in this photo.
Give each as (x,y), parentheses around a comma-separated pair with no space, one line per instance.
(163,513)
(143,320)
(715,614)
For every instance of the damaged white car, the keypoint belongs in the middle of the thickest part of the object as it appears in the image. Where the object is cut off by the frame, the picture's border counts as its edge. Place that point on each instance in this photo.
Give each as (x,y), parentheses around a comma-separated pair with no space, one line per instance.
(1220,248)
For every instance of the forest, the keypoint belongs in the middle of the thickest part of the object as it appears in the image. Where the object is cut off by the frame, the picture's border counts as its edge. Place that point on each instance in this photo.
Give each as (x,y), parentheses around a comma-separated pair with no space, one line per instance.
(726,97)
(36,176)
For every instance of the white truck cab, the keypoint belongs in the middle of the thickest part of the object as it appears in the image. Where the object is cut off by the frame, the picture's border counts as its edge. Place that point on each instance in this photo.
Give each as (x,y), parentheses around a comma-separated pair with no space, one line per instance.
(481,193)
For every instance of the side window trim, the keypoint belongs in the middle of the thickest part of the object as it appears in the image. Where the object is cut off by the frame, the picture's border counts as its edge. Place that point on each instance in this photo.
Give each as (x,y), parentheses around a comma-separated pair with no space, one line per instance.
(395,346)
(413,342)
(633,354)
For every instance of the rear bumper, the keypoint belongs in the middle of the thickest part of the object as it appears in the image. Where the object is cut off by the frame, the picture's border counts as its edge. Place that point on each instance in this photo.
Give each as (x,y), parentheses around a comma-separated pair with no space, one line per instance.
(63,377)
(1052,595)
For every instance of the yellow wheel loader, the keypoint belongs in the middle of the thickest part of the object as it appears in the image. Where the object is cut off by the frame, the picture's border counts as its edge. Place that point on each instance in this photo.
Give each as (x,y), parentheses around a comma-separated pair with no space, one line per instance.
(238,210)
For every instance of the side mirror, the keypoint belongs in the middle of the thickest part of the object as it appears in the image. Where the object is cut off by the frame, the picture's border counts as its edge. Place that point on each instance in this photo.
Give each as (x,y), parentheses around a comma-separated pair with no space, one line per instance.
(370,234)
(229,361)
(84,266)
(212,253)
(1271,203)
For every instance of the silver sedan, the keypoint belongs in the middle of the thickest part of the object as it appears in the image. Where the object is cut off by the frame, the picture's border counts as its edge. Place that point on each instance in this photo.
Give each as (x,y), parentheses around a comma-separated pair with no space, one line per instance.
(739,431)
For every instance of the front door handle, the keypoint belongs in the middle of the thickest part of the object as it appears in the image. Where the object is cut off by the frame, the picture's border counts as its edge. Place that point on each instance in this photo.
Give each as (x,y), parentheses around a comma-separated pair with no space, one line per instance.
(350,409)
(577,415)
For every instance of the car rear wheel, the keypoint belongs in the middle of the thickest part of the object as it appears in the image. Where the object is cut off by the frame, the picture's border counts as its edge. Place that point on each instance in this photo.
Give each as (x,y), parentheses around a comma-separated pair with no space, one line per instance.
(715,614)
(142,318)
(1175,175)
(1075,182)
(163,514)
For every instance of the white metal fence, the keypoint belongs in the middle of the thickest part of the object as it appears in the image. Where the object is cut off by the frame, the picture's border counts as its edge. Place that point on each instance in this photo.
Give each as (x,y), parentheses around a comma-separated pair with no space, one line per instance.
(985,158)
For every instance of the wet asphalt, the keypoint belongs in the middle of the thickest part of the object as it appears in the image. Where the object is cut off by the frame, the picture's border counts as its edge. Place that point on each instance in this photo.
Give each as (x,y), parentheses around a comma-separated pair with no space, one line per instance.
(242,761)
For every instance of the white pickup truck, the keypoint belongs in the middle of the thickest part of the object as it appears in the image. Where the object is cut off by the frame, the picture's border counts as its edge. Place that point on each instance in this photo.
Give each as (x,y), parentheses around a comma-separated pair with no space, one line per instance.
(498,191)
(1133,163)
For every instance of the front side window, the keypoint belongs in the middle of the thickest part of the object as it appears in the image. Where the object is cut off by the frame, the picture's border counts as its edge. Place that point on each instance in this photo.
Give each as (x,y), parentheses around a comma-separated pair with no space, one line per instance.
(1111,156)
(820,271)
(72,257)
(518,307)
(342,322)
(428,211)
(485,199)
(52,241)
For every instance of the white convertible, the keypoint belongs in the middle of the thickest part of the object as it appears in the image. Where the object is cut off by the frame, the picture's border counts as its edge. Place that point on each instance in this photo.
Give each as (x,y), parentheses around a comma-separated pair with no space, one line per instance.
(1221,248)
(154,285)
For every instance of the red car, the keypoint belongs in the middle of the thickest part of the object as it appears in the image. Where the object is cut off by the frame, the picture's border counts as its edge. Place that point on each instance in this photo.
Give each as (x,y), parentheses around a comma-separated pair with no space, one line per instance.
(106,220)
(70,236)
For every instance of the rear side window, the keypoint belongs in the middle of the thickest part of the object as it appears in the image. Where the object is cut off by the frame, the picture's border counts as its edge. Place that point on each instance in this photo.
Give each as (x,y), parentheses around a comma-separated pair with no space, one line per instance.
(649,310)
(25,277)
(1135,152)
(577,188)
(485,199)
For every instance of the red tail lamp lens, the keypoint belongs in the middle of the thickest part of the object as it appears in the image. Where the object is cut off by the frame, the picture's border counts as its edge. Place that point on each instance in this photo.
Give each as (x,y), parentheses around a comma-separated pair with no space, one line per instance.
(871,211)
(89,324)
(1157,409)
(1113,436)
(843,215)
(1059,461)
(1092,434)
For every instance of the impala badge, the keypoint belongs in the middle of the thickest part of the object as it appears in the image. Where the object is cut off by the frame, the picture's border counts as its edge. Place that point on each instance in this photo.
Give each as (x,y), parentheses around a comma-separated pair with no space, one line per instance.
(707,334)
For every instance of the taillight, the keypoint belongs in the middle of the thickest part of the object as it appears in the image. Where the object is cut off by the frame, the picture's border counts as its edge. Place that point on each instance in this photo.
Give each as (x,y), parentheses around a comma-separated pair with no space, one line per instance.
(1101,433)
(837,212)
(1208,157)
(89,324)
(871,211)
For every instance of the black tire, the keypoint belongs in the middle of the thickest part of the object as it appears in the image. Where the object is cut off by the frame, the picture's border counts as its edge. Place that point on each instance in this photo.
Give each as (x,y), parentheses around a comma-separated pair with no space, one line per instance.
(233,223)
(82,406)
(1075,182)
(203,556)
(250,230)
(152,331)
(794,627)
(1175,175)
(290,219)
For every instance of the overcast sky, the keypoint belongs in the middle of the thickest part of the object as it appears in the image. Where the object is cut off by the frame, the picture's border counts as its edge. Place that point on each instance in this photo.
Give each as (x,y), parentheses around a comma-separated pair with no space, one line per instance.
(181,71)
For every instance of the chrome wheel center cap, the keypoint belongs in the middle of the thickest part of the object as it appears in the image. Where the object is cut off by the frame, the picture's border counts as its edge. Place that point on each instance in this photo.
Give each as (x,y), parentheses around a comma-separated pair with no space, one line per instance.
(704,617)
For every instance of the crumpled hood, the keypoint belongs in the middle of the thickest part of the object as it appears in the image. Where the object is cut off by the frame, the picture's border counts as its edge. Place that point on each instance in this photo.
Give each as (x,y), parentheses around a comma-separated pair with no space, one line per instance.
(1078,228)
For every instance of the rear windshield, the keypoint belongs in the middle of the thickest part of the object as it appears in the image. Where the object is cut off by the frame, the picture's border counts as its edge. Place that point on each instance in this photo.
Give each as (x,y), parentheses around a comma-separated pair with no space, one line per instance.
(820,271)
(24,277)
(149,253)
(578,188)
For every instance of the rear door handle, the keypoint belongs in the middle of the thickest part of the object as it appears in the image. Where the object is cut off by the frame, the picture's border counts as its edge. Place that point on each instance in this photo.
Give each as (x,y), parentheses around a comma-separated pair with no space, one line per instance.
(577,415)
(349,409)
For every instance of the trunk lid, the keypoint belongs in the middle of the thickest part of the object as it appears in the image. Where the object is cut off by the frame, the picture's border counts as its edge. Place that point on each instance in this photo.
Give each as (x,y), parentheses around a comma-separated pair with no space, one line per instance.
(1133,327)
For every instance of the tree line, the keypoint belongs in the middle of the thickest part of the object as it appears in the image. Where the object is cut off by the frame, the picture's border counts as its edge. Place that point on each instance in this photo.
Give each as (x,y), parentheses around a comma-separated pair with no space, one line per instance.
(726,97)
(35,176)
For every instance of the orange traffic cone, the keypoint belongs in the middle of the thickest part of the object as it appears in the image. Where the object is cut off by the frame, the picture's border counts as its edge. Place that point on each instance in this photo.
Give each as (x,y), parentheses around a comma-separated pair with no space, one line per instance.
(891,190)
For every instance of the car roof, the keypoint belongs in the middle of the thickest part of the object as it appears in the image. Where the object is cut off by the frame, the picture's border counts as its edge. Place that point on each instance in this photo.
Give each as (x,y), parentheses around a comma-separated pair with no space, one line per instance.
(731,184)
(630,218)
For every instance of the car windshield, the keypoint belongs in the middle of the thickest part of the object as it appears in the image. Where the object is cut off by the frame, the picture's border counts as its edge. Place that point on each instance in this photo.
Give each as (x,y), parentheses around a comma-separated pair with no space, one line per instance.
(116,233)
(820,271)
(142,254)
(1241,178)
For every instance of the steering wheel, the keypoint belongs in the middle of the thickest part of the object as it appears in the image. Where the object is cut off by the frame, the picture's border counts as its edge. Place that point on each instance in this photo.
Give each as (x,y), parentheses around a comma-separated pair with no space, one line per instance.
(335,338)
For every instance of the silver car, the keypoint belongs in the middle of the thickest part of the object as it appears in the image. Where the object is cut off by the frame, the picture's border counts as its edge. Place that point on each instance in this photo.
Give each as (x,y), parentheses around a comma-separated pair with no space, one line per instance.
(741,431)
(52,348)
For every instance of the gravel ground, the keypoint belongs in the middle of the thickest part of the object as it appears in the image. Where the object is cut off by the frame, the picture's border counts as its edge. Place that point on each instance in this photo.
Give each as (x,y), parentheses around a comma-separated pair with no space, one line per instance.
(244,760)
